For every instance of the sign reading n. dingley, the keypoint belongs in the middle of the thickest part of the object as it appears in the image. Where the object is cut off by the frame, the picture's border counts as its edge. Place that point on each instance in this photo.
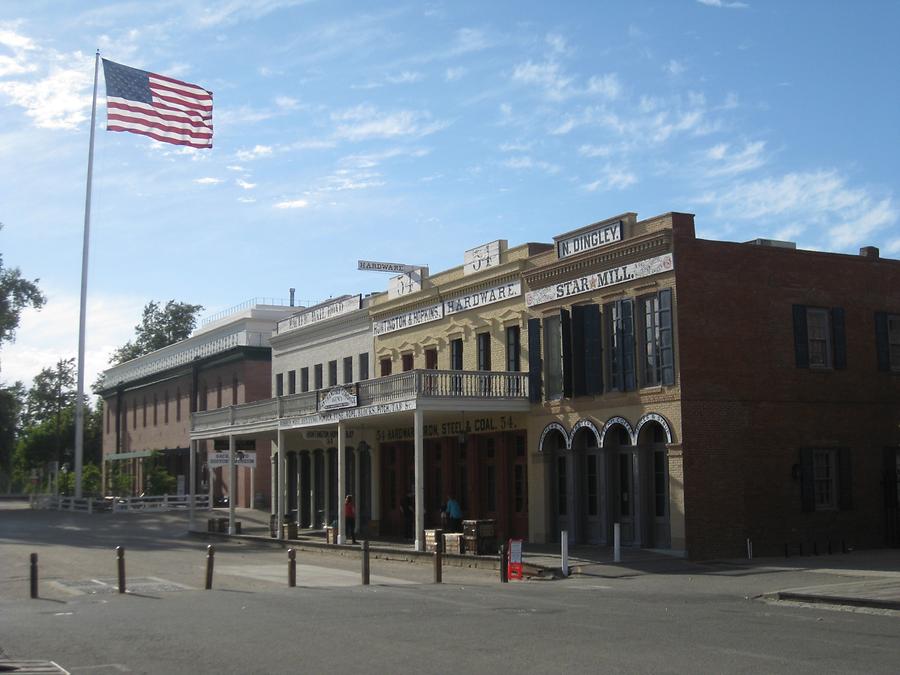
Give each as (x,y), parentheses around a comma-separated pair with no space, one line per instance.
(409,319)
(327,310)
(593,282)
(595,237)
(513,289)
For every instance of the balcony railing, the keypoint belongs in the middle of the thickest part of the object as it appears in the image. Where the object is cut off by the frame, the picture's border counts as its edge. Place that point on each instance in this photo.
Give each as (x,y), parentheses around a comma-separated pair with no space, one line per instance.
(445,384)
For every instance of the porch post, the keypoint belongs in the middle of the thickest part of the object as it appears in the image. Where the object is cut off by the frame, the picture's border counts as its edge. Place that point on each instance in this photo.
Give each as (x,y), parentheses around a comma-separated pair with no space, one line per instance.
(297,456)
(357,497)
(193,481)
(374,485)
(313,492)
(282,471)
(211,472)
(232,479)
(326,488)
(341,481)
(418,423)
(273,478)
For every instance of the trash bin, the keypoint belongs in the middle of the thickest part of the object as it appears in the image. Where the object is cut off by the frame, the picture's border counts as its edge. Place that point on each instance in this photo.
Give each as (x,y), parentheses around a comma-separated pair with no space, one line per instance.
(273,526)
(291,528)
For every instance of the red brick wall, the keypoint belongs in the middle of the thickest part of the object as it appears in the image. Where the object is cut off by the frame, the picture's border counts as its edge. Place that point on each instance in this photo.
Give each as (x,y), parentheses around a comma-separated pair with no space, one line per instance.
(747,409)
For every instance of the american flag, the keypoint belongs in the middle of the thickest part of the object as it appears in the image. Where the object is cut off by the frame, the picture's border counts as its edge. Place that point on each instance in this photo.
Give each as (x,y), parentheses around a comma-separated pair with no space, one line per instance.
(157,106)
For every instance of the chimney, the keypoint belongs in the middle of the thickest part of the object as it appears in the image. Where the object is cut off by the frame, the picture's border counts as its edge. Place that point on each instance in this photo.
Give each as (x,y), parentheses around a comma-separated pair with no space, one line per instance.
(869,252)
(292,290)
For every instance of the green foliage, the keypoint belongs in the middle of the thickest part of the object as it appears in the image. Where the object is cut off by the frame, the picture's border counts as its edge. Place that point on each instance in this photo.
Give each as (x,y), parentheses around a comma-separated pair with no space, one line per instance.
(91,482)
(16,294)
(159,327)
(52,390)
(158,480)
(119,482)
(11,400)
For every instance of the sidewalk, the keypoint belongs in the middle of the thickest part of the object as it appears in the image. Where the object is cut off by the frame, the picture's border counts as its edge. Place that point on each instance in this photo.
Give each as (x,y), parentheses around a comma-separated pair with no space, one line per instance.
(861,578)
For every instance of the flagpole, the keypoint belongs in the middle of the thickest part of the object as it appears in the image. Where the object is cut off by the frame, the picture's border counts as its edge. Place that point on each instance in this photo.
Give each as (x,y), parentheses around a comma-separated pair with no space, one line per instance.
(79,401)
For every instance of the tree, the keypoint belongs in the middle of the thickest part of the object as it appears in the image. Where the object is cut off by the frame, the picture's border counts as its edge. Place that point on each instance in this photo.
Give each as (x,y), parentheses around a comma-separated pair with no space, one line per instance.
(11,403)
(16,294)
(159,327)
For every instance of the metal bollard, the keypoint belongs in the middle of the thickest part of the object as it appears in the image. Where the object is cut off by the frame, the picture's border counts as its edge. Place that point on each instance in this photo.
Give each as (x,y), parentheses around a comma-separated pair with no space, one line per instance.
(34,576)
(504,564)
(438,565)
(564,552)
(292,567)
(365,563)
(120,555)
(210,561)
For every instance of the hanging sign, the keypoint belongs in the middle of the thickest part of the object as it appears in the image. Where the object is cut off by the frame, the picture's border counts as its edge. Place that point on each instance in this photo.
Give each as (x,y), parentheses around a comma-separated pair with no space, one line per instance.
(337,397)
(241,458)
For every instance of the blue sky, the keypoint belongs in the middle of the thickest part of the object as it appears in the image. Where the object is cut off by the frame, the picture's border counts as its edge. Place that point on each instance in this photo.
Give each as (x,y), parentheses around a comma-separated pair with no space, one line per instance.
(410,132)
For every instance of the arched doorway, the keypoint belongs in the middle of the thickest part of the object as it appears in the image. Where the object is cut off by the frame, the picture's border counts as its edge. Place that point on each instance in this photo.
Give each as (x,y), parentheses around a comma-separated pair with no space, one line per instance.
(554,444)
(590,482)
(652,436)
(622,466)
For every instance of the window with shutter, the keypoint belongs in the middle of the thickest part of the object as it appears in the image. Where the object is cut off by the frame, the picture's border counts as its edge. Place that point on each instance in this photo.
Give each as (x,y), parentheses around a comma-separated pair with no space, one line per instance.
(593,350)
(304,379)
(535,371)
(513,349)
(553,375)
(579,382)
(565,322)
(666,338)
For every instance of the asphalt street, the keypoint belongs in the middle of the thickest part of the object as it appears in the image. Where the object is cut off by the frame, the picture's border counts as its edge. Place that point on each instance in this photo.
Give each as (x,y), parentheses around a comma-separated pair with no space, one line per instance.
(689,618)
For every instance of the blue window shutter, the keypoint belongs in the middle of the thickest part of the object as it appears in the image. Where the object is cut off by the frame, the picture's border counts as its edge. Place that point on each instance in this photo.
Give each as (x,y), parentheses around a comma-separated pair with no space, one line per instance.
(614,376)
(840,338)
(579,387)
(593,350)
(535,374)
(845,479)
(807,480)
(666,338)
(565,322)
(628,356)
(801,337)
(882,346)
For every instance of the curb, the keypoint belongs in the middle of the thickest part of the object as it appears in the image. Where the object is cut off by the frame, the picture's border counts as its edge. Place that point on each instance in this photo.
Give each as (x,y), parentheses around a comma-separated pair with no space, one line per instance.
(834,600)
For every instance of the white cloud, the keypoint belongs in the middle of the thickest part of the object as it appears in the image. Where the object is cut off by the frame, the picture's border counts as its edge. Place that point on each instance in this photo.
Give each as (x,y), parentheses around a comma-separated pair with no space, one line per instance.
(724,4)
(812,202)
(526,162)
(365,121)
(51,334)
(557,43)
(406,77)
(286,102)
(453,74)
(255,152)
(589,150)
(246,200)
(469,40)
(515,147)
(235,167)
(207,180)
(607,86)
(292,204)
(612,178)
(674,67)
(240,182)
(548,76)
(893,247)
(233,12)
(726,162)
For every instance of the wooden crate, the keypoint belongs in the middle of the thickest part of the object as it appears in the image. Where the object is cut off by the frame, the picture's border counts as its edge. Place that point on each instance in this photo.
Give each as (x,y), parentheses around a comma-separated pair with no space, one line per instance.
(454,543)
(482,529)
(432,537)
(480,545)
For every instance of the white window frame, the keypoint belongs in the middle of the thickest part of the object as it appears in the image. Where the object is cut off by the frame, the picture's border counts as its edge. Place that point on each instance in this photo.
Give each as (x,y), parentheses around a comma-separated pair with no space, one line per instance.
(825,481)
(812,314)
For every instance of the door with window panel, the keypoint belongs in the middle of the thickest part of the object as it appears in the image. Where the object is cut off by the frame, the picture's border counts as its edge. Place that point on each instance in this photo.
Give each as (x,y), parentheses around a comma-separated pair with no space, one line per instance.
(594,511)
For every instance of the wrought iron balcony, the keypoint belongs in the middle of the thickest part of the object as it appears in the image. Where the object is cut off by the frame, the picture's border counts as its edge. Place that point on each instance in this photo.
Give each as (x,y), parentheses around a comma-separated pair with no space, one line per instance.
(450,386)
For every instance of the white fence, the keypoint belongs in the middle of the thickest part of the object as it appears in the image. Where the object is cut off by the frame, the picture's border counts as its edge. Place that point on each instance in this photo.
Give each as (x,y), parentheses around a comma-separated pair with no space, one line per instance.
(118,504)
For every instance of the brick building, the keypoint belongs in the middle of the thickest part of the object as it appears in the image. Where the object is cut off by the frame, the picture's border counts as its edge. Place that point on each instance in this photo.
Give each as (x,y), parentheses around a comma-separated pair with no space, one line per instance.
(698,394)
(148,401)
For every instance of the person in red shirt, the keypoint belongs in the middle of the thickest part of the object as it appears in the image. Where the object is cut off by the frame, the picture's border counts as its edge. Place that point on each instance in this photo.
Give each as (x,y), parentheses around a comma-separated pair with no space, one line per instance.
(350,516)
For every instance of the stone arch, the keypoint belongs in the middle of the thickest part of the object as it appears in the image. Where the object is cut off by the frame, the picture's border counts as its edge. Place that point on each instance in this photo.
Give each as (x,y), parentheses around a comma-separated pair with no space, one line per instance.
(554,426)
(617,421)
(587,425)
(658,419)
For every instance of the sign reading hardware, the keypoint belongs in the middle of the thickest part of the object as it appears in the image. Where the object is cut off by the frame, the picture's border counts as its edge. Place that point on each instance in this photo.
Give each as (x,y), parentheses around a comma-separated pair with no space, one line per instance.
(374,266)
(596,237)
(483,257)
(337,397)
(513,289)
(329,310)
(409,319)
(594,282)
(241,458)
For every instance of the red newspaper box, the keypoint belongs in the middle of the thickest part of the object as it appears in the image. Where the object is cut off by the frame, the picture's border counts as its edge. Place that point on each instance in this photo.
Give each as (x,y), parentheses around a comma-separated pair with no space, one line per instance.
(514,566)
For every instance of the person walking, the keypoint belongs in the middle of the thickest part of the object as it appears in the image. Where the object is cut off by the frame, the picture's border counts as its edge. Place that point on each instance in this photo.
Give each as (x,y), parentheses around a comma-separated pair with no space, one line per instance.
(350,516)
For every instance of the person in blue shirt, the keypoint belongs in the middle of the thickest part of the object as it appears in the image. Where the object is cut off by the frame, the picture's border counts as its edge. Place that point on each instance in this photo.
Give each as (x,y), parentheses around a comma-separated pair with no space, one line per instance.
(454,514)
